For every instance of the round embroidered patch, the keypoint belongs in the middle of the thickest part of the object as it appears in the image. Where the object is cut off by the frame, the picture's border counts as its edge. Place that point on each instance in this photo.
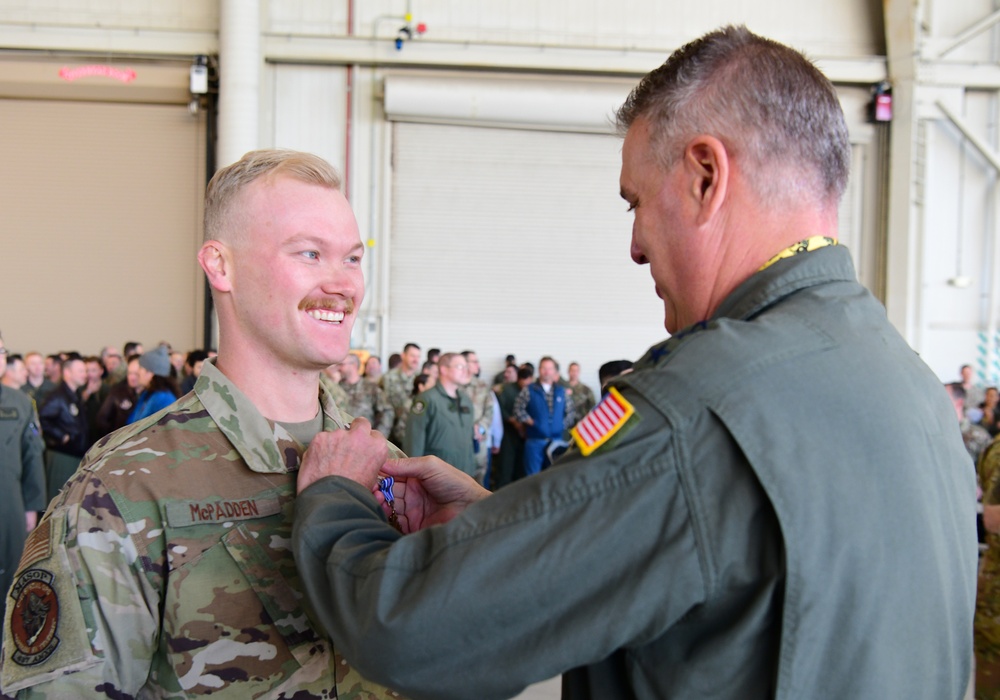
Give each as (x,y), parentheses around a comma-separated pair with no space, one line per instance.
(418,407)
(35,617)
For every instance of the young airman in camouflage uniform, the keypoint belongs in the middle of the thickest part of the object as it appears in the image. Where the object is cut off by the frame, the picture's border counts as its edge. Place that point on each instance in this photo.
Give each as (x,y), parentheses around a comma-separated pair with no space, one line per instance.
(164,568)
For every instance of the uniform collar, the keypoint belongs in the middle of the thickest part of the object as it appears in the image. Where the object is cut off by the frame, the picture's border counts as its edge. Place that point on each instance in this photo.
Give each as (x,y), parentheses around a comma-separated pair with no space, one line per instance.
(780,278)
(263,444)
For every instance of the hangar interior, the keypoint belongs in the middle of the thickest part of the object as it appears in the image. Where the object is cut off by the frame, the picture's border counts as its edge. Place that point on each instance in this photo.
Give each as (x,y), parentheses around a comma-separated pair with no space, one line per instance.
(477,146)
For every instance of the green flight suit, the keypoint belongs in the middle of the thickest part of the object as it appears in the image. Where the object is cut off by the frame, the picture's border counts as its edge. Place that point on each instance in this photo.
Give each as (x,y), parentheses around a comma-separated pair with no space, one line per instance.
(440,425)
(22,478)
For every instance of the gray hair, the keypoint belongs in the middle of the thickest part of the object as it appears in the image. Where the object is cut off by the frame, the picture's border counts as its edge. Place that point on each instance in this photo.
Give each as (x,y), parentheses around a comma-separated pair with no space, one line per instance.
(767,103)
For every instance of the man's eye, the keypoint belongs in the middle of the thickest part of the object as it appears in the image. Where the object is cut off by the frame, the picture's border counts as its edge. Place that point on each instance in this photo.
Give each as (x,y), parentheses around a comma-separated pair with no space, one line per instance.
(311,254)
(354,259)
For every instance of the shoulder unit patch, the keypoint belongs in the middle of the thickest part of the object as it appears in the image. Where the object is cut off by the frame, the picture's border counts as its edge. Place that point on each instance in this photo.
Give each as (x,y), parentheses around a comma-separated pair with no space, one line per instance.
(35,617)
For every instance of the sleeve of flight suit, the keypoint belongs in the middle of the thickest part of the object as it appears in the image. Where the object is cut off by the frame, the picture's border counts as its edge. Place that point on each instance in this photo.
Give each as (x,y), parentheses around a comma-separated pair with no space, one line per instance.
(569,561)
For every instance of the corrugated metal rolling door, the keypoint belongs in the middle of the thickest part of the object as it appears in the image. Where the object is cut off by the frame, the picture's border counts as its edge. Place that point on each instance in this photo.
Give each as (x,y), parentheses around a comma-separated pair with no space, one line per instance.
(101,210)
(508,240)
(507,233)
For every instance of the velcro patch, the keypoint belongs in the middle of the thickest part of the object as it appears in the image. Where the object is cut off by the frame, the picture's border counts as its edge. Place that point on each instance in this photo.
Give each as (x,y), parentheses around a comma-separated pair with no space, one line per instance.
(186,513)
(603,422)
(419,406)
(39,545)
(8,414)
(45,635)
(34,620)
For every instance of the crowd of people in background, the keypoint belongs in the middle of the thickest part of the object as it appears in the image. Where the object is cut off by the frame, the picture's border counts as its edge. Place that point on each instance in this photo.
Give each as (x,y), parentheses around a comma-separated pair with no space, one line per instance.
(80,399)
(497,430)
(504,429)
(979,419)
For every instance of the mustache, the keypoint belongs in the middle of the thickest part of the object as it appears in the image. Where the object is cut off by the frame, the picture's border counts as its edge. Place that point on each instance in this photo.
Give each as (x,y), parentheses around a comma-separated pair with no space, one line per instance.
(345,305)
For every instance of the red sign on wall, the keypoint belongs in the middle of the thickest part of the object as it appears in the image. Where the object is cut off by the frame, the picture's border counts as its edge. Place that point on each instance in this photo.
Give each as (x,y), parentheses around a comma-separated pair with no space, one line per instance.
(125,75)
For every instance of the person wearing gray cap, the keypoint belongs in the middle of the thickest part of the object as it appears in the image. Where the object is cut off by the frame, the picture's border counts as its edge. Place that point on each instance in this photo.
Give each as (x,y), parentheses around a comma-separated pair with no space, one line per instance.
(157,386)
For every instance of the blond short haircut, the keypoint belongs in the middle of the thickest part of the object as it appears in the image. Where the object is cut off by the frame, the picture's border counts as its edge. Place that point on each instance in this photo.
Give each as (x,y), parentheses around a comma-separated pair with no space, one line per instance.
(224,217)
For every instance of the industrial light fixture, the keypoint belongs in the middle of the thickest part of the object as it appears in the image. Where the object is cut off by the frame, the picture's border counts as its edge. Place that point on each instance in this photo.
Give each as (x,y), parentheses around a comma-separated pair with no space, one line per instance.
(197,82)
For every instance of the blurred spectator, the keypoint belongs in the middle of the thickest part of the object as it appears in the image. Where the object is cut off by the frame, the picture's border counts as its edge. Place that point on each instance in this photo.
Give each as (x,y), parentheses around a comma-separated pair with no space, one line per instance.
(974,394)
(610,370)
(53,368)
(482,414)
(396,385)
(509,463)
(545,413)
(157,388)
(440,422)
(509,361)
(16,375)
(22,474)
(64,425)
(364,397)
(38,385)
(192,369)
(114,366)
(373,368)
(177,362)
(93,394)
(118,405)
(582,395)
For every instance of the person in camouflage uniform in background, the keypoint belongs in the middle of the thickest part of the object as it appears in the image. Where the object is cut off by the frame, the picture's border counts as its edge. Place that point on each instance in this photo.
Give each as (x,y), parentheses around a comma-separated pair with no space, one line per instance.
(482,413)
(582,396)
(397,384)
(986,635)
(164,568)
(363,397)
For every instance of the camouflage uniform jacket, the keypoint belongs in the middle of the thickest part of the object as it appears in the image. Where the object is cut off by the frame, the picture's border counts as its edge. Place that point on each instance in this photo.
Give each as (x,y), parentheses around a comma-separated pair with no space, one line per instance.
(987,621)
(398,388)
(164,569)
(364,398)
(582,397)
(482,409)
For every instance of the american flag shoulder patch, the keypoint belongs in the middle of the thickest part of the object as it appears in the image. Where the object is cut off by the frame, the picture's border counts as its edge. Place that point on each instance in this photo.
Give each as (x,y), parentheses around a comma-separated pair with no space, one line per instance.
(603,422)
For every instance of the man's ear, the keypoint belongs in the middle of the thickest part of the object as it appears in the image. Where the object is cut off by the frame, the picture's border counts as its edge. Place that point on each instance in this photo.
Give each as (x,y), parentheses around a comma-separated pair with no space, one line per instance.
(707,161)
(214,259)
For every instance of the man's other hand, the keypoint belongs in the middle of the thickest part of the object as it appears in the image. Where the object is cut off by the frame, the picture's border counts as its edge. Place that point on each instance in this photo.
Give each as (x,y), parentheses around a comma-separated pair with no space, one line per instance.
(429,491)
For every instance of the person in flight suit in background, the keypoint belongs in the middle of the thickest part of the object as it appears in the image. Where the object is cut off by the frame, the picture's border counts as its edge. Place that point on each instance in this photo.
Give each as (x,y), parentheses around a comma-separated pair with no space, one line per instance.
(22,475)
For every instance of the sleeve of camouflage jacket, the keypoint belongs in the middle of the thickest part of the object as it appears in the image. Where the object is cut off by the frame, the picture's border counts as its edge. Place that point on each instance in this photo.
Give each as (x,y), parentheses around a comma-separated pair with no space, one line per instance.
(79,555)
